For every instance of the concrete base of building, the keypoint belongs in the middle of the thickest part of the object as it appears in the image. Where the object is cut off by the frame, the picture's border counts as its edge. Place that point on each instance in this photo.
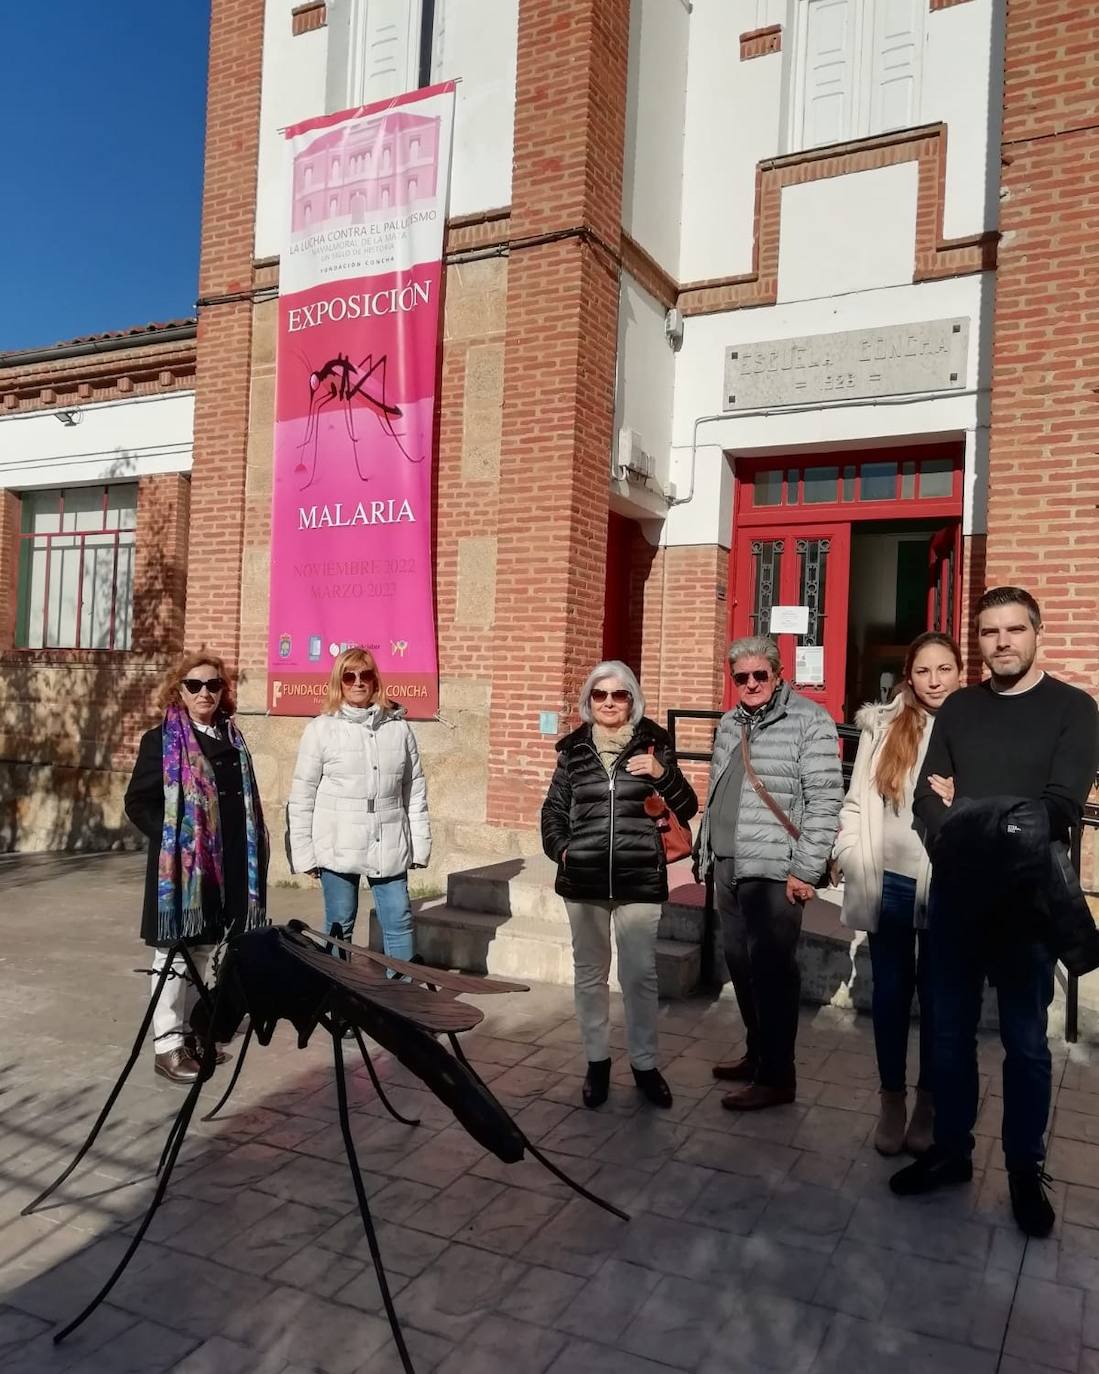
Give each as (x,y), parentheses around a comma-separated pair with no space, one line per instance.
(505,919)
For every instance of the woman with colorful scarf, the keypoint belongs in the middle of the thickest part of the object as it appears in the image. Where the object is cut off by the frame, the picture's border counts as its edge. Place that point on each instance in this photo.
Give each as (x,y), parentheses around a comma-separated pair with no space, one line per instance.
(193,794)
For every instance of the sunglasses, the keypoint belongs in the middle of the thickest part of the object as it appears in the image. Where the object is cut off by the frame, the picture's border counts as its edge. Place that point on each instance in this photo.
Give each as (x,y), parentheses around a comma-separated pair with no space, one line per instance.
(619,696)
(350,677)
(756,675)
(194,685)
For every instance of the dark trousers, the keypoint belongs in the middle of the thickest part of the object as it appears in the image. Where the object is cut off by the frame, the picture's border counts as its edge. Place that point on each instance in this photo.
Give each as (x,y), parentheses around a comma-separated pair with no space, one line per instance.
(899,961)
(761,930)
(964,953)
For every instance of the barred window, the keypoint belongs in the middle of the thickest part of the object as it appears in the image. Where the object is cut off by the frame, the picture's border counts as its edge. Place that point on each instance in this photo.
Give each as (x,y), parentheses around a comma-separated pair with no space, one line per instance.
(76,568)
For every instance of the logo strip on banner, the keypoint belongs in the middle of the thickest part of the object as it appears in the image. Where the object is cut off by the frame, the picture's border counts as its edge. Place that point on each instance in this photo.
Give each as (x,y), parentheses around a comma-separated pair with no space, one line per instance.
(359,292)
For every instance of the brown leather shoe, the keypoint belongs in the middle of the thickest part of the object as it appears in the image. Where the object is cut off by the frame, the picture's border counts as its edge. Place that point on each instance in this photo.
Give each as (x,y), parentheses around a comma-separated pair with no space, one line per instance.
(177,1066)
(756,1097)
(735,1071)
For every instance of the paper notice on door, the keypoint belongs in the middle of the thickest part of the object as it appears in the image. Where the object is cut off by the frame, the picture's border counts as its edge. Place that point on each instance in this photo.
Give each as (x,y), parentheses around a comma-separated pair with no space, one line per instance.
(789,620)
(809,663)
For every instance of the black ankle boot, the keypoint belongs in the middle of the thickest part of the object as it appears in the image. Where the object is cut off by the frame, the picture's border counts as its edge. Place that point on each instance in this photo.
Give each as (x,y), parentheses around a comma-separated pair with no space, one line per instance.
(597,1082)
(1030,1203)
(651,1083)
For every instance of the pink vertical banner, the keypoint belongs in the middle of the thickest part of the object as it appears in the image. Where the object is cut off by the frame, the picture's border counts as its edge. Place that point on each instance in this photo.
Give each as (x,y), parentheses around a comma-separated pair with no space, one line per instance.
(359,293)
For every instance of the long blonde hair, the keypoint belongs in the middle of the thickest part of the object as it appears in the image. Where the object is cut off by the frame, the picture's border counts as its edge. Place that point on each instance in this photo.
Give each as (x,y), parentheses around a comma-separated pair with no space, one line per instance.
(360,658)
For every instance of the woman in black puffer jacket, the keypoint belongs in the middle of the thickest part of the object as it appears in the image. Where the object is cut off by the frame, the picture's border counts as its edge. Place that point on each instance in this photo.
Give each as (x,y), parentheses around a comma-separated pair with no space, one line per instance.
(610,866)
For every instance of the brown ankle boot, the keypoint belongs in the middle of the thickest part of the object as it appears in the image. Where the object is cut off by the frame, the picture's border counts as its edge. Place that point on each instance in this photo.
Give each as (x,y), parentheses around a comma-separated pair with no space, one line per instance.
(889,1136)
(920,1135)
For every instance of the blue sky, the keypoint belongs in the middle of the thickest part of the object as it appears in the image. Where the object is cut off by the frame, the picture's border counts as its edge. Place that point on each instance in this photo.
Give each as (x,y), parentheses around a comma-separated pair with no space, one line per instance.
(104,108)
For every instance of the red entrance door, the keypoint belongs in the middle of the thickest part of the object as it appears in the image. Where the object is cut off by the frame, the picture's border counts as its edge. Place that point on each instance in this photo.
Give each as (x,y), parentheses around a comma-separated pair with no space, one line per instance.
(798,574)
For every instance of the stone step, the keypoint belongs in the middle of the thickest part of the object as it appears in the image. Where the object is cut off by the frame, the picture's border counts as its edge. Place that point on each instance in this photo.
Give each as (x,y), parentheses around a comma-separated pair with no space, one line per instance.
(524,886)
(530,949)
(834,961)
(514,887)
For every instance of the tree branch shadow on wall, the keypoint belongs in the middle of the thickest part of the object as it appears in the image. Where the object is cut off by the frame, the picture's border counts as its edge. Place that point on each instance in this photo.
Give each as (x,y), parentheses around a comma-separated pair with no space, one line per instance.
(70,722)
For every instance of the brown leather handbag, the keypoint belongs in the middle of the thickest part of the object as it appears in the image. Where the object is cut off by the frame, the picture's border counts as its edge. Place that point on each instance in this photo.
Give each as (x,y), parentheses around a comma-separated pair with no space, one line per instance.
(674,835)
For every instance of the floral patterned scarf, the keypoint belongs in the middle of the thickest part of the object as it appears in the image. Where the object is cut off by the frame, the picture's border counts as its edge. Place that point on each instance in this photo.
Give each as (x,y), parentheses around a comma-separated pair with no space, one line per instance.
(190,846)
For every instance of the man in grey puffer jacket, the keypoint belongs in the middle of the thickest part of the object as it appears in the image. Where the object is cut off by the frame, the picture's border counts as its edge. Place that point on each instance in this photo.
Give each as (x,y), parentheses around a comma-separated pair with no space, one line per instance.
(769,846)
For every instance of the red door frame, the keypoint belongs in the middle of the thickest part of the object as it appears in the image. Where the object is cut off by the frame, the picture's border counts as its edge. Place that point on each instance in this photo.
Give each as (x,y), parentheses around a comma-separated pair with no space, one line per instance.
(836,596)
(811,520)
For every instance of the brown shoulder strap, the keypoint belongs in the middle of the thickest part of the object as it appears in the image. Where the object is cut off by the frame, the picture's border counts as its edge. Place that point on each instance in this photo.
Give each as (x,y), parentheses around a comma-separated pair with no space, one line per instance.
(761,791)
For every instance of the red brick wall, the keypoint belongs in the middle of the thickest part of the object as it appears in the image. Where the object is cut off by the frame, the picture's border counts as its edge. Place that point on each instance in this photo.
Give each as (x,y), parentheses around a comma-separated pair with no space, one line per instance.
(684,637)
(150,367)
(1043,512)
(974,574)
(562,311)
(225,323)
(160,564)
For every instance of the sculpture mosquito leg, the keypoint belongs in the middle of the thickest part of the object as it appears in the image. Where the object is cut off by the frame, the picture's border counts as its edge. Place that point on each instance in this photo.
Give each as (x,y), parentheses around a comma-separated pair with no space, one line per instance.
(360,1193)
(169,1142)
(120,1083)
(178,1134)
(372,1071)
(535,1151)
(227,1094)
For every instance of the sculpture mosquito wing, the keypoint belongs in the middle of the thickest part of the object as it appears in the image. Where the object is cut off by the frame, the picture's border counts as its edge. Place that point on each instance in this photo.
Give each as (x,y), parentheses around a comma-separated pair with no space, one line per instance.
(278,974)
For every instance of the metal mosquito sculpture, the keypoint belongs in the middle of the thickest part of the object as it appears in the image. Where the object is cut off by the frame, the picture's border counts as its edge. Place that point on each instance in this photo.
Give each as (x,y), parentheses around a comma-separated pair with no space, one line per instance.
(288,973)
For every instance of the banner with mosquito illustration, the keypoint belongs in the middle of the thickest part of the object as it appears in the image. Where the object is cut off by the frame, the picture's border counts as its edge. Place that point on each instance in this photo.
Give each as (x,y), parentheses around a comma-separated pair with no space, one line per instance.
(359,296)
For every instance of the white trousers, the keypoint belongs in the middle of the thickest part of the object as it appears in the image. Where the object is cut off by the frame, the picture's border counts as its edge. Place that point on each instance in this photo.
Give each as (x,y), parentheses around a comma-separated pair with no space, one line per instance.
(635,926)
(172,1017)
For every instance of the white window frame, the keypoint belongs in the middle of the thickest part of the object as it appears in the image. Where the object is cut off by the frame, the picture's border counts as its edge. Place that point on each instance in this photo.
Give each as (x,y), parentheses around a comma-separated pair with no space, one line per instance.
(348,31)
(867,13)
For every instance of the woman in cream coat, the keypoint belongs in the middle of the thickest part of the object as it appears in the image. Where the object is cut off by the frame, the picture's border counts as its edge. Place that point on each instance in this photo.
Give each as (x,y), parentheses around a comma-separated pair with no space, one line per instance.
(886,876)
(358,803)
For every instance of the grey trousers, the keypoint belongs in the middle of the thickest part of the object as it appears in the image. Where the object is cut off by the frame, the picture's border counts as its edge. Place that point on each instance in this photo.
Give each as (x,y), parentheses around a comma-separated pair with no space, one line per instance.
(635,926)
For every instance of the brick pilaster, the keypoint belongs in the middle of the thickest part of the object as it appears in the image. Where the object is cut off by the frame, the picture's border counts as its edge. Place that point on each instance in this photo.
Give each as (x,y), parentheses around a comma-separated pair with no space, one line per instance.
(1043,509)
(558,413)
(225,323)
(160,564)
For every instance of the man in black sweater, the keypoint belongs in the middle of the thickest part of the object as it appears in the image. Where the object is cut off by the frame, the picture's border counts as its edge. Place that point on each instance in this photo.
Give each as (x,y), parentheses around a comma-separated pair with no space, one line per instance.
(1019,734)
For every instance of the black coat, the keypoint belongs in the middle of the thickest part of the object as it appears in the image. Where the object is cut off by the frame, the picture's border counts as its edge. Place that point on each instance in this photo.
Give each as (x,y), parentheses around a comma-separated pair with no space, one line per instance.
(614,848)
(145,807)
(995,863)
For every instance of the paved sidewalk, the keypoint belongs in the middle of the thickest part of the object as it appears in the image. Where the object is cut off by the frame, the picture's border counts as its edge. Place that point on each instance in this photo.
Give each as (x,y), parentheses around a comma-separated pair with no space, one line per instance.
(763,1243)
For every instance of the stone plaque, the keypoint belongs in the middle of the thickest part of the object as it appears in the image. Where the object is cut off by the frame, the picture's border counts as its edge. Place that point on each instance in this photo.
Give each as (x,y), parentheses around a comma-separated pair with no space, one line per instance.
(890,361)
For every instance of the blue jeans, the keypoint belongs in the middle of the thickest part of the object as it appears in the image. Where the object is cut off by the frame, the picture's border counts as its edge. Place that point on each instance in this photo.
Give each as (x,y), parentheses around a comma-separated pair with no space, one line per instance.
(898,959)
(341,906)
(964,952)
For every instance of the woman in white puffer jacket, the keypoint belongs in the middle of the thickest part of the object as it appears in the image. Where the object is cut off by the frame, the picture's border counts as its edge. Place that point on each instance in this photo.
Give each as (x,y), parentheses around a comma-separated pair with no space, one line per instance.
(887,874)
(358,803)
